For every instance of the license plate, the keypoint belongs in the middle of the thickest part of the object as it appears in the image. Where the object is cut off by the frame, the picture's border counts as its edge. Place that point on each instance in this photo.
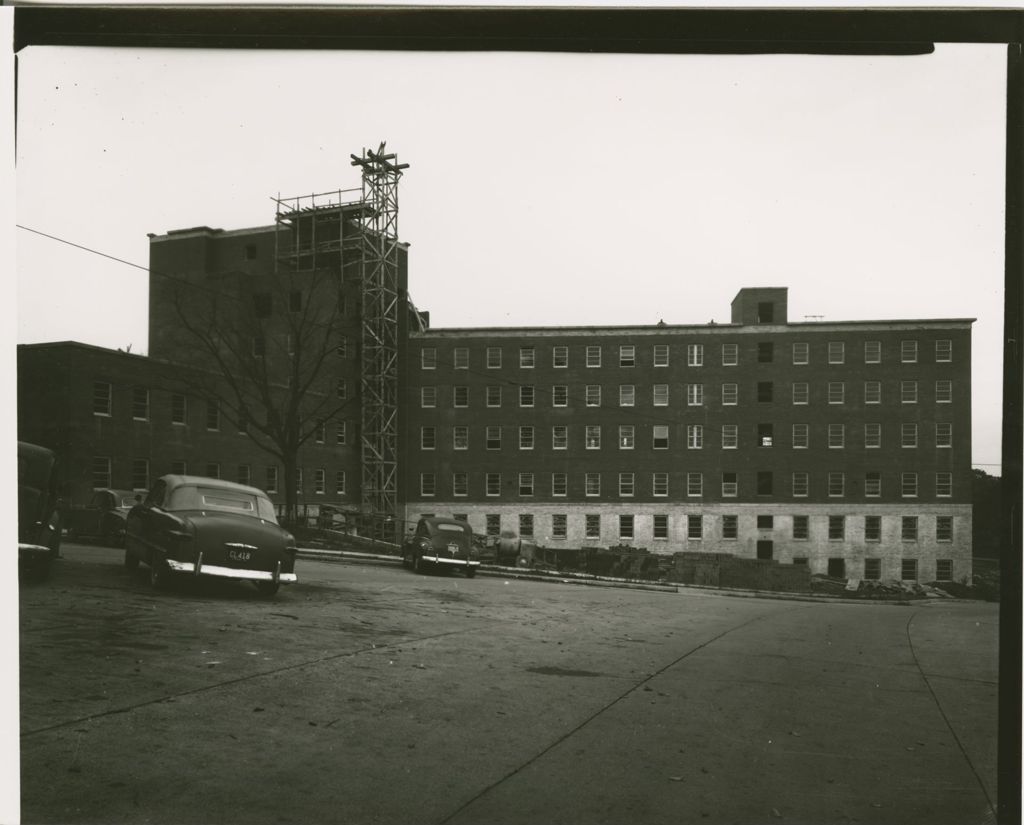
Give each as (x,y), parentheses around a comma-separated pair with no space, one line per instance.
(240,555)
(453,549)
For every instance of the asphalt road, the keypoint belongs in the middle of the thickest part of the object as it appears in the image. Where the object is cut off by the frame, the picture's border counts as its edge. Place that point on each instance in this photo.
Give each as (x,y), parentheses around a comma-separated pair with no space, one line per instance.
(368,694)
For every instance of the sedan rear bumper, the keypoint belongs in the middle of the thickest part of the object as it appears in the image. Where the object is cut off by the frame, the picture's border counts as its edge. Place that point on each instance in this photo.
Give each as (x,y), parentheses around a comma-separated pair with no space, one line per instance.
(231,572)
(32,551)
(450,560)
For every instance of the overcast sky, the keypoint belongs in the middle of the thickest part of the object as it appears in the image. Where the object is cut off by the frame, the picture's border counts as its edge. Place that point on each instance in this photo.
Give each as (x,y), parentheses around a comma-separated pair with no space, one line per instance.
(543,189)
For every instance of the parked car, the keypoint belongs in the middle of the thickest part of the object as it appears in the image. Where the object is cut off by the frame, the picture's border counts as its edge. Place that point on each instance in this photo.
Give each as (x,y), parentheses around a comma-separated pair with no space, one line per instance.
(38,510)
(209,527)
(442,543)
(103,518)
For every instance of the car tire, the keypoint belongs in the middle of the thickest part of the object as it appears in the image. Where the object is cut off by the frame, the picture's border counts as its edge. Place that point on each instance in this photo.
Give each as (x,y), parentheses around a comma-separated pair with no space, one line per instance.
(159,573)
(267,589)
(131,561)
(470,572)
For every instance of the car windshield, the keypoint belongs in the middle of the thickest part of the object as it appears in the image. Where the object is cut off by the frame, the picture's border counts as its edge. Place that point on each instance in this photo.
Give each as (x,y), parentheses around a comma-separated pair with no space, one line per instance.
(225,500)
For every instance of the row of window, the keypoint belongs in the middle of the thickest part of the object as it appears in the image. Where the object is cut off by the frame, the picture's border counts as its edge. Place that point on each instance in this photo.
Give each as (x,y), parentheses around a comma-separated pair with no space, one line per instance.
(626,439)
(909,392)
(102,474)
(729,526)
(800,353)
(835,484)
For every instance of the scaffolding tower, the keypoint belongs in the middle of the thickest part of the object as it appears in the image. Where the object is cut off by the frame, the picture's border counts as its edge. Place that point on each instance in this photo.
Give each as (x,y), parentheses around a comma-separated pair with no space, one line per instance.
(379,335)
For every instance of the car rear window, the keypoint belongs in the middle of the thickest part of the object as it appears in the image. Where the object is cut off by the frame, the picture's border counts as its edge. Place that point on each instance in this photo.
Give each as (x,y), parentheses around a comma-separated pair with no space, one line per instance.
(451,528)
(231,501)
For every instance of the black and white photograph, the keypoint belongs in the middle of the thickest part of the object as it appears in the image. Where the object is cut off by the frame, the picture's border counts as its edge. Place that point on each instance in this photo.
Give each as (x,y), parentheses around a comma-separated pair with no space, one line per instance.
(421,421)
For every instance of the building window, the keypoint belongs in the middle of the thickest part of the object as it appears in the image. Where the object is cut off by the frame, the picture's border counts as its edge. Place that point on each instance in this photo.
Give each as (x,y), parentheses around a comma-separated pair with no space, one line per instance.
(102,398)
(460,396)
(694,484)
(872,569)
(526,484)
(661,355)
(943,485)
(765,435)
(559,484)
(341,433)
(908,570)
(730,394)
(319,481)
(659,483)
(492,523)
(836,528)
(872,352)
(943,392)
(627,439)
(627,356)
(801,484)
(765,312)
(695,355)
(493,358)
(593,356)
(627,484)
(428,358)
(695,395)
(526,395)
(460,484)
(559,525)
(765,522)
(800,353)
(179,409)
(730,527)
(261,301)
(526,438)
(943,350)
(627,395)
(873,435)
(259,346)
(730,355)
(801,528)
(908,352)
(560,395)
(460,438)
(836,392)
(625,526)
(944,528)
(873,484)
(212,469)
(492,483)
(178,468)
(764,483)
(694,436)
(428,397)
(944,570)
(559,357)
(428,438)
(493,437)
(660,526)
(592,526)
(271,479)
(908,435)
(341,389)
(560,437)
(339,483)
(526,525)
(873,528)
(943,435)
(908,392)
(801,436)
(593,395)
(836,352)
(140,404)
(527,358)
(593,437)
(730,485)
(836,484)
(100,472)
(836,436)
(460,358)
(244,474)
(660,440)
(908,485)
(872,392)
(730,436)
(695,527)
(320,433)
(592,484)
(765,352)
(764,391)
(140,474)
(661,395)
(342,349)
(493,395)
(801,394)
(908,528)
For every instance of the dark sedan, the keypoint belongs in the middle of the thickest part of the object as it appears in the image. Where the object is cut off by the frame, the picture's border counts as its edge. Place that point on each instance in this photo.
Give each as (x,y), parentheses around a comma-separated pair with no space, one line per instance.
(445,543)
(103,518)
(189,525)
(38,513)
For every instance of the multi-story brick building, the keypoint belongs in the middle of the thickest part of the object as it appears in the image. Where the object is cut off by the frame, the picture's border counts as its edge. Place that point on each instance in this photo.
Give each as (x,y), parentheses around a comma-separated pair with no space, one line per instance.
(843,445)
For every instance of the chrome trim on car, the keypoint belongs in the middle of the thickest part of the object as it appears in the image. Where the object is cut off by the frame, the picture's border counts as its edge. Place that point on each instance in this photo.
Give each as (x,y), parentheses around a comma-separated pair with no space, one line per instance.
(231,572)
(443,560)
(238,545)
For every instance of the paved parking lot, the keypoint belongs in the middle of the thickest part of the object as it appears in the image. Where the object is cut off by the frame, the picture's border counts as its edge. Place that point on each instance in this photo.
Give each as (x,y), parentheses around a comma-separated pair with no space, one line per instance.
(367,694)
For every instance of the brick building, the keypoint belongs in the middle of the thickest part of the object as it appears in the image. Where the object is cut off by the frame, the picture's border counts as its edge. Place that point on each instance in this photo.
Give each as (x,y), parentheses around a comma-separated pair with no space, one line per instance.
(843,445)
